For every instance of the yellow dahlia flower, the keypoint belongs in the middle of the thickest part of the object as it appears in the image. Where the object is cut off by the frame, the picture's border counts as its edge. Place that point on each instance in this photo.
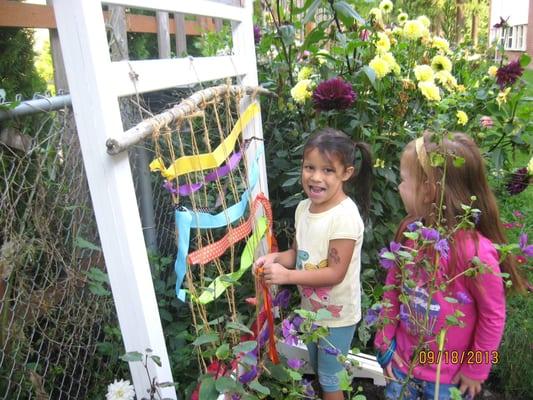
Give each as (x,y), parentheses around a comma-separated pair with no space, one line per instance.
(492,70)
(402,18)
(385,6)
(502,96)
(446,79)
(530,166)
(389,59)
(304,73)
(301,91)
(380,66)
(462,118)
(424,20)
(429,90)
(441,63)
(376,12)
(440,44)
(383,43)
(413,29)
(423,73)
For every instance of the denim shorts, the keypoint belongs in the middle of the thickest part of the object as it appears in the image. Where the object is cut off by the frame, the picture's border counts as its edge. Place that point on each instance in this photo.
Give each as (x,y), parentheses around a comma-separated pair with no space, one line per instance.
(416,388)
(324,360)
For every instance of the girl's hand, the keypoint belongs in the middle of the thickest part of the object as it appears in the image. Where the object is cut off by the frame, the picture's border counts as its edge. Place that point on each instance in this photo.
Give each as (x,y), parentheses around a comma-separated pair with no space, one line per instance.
(264,260)
(388,369)
(275,274)
(466,384)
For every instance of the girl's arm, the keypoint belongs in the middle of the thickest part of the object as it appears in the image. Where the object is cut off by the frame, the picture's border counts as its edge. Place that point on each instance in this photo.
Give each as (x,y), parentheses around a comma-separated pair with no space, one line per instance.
(340,253)
(286,258)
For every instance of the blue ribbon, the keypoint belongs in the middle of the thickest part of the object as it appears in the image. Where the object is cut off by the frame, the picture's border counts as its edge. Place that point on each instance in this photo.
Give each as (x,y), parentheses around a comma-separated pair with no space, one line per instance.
(186,219)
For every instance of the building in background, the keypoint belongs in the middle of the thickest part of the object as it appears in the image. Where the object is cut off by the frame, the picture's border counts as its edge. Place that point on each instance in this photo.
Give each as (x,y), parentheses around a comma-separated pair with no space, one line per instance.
(516,34)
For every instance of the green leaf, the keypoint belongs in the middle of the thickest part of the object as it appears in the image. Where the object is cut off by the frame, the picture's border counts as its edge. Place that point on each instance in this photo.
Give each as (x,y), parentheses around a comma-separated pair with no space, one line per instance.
(344,381)
(288,34)
(225,384)
(347,13)
(207,389)
(371,75)
(156,360)
(411,235)
(85,244)
(295,376)
(450,300)
(207,338)
(98,289)
(255,385)
(132,356)
(311,11)
(223,351)
(524,60)
(388,255)
(238,326)
(458,162)
(97,275)
(245,347)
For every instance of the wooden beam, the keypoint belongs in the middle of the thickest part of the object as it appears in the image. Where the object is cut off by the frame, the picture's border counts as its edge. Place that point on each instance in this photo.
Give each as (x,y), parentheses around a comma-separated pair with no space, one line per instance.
(23,15)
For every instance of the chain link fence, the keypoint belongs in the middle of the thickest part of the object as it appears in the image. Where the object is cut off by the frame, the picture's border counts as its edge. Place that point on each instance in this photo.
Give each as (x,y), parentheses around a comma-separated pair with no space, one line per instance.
(59,336)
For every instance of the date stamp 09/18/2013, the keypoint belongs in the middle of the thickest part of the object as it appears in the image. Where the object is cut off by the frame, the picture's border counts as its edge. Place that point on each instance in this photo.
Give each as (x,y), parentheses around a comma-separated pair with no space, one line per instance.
(458,357)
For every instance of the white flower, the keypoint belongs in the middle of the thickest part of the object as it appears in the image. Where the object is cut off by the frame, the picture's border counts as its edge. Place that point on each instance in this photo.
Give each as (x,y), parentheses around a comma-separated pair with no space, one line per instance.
(121,390)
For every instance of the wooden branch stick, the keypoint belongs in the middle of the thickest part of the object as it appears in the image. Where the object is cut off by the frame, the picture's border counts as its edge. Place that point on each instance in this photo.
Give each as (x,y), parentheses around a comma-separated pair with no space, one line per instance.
(189,105)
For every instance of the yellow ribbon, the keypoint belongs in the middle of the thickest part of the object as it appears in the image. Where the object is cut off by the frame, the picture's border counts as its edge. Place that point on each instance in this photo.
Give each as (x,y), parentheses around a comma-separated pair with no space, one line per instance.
(187,164)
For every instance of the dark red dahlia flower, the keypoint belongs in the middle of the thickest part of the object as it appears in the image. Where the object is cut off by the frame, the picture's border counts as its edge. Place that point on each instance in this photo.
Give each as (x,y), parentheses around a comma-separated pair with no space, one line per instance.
(257,34)
(508,74)
(333,94)
(518,182)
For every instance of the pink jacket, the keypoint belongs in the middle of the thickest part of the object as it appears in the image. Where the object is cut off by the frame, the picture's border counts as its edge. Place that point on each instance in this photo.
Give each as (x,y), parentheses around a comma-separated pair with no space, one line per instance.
(471,349)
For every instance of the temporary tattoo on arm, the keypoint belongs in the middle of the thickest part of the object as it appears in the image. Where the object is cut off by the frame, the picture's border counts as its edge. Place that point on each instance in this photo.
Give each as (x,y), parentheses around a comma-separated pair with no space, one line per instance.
(334,255)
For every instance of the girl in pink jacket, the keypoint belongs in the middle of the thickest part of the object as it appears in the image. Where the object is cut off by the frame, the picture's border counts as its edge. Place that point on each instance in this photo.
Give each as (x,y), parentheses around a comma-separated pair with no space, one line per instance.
(444,310)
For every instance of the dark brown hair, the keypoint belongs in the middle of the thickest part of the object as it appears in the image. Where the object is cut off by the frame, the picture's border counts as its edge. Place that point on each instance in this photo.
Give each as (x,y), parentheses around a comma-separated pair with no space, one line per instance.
(460,183)
(334,143)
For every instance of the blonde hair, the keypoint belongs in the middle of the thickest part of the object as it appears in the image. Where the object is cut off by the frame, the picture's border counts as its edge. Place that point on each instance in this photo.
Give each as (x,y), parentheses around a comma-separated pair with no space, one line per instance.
(460,183)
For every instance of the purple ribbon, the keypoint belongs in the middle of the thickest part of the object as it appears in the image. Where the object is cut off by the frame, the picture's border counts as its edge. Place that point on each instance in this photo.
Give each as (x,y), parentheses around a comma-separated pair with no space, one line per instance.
(187,189)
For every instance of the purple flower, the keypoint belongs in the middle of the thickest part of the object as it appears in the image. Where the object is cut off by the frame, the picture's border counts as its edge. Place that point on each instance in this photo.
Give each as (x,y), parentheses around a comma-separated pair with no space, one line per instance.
(235,396)
(404,314)
(518,214)
(413,226)
(295,363)
(527,250)
(430,234)
(263,335)
(385,262)
(475,216)
(463,298)
(297,321)
(443,248)
(508,74)
(372,314)
(257,34)
(364,35)
(289,332)
(249,375)
(394,246)
(282,299)
(518,181)
(308,389)
(169,186)
(333,351)
(333,94)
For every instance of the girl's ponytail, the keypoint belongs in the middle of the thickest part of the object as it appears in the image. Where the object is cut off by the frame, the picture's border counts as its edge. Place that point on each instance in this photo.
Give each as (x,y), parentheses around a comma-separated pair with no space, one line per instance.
(364,179)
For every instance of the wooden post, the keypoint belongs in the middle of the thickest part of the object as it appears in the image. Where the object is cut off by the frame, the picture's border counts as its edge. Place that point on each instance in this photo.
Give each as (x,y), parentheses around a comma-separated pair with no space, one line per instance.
(163,35)
(181,38)
(60,76)
(82,32)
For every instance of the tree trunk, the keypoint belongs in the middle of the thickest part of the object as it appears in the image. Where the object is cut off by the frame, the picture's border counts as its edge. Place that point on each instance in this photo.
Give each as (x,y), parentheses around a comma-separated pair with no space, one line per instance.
(475,28)
(459,20)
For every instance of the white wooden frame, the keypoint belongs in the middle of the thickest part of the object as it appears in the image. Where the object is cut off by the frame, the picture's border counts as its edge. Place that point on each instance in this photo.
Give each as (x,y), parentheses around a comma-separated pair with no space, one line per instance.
(95,84)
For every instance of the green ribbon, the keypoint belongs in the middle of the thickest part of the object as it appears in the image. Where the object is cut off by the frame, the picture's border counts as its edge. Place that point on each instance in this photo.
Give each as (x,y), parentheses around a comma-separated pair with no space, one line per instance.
(221,283)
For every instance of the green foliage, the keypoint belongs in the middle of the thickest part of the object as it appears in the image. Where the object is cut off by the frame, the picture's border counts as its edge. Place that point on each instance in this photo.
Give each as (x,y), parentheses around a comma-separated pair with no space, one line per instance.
(18,73)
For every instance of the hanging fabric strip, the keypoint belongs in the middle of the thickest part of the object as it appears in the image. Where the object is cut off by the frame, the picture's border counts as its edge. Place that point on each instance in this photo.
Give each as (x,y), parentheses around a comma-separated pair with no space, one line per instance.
(200,162)
(233,161)
(214,250)
(185,220)
(222,282)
